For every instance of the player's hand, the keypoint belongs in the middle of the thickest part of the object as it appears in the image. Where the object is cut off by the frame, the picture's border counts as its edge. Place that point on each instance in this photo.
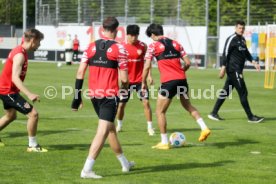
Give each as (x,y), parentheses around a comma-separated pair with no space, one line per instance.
(150,80)
(76,104)
(144,88)
(187,66)
(222,72)
(34,97)
(257,66)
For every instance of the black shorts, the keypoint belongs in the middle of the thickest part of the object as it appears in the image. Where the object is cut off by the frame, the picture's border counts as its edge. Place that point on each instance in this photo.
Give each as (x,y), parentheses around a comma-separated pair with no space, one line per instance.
(17,102)
(138,88)
(106,108)
(171,88)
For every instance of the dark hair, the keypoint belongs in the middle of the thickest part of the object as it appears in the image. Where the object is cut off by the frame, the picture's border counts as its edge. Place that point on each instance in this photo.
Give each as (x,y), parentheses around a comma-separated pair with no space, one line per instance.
(110,24)
(240,22)
(33,33)
(156,29)
(133,29)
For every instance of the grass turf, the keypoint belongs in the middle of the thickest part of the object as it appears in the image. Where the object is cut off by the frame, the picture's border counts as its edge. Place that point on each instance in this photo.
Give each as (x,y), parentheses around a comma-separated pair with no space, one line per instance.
(236,151)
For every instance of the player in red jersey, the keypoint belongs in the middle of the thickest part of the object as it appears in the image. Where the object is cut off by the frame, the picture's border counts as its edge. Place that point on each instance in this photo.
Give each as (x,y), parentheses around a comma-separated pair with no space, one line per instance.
(76,45)
(103,58)
(11,83)
(135,56)
(173,80)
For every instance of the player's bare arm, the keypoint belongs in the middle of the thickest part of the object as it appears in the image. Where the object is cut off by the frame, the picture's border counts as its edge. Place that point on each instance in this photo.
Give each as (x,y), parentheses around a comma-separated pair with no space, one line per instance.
(187,61)
(150,79)
(18,62)
(123,74)
(81,71)
(145,74)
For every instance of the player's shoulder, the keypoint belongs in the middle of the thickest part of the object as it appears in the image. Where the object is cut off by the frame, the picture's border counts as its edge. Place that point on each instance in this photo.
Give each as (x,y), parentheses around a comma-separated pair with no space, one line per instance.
(118,48)
(143,44)
(233,36)
(17,50)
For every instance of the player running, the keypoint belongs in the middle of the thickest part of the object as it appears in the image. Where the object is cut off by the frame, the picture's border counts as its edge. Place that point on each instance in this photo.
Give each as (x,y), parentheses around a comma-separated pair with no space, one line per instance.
(11,83)
(173,80)
(103,58)
(135,54)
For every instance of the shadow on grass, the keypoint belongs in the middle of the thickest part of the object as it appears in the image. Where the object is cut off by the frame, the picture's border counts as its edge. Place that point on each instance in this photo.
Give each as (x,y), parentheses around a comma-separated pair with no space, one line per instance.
(79,146)
(39,132)
(238,142)
(269,119)
(184,166)
(188,129)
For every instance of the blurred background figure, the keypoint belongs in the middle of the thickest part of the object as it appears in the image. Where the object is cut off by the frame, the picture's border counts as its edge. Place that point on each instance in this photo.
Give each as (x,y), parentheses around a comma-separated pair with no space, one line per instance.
(76,45)
(68,50)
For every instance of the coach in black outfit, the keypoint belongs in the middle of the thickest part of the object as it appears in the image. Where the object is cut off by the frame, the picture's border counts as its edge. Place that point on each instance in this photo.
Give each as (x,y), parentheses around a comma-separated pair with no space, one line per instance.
(235,54)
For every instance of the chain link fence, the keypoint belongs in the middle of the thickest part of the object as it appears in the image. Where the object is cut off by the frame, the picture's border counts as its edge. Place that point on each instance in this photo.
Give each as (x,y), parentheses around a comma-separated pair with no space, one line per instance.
(84,12)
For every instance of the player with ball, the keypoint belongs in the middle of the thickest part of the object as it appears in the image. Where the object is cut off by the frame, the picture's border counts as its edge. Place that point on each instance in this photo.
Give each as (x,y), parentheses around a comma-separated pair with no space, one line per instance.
(168,54)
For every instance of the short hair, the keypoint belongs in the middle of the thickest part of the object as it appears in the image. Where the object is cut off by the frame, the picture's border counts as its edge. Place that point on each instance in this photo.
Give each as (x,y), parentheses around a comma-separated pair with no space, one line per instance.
(156,29)
(33,33)
(133,29)
(110,24)
(240,22)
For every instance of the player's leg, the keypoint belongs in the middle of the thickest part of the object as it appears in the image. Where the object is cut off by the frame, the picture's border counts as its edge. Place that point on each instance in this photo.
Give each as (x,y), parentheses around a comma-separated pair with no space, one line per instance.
(205,131)
(144,98)
(10,115)
(240,85)
(95,149)
(117,149)
(120,115)
(125,95)
(148,115)
(32,124)
(224,93)
(162,106)
(22,106)
(106,111)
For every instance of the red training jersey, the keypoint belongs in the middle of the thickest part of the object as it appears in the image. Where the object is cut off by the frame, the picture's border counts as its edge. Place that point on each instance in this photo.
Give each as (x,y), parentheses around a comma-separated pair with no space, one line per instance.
(135,57)
(170,69)
(76,44)
(6,84)
(103,80)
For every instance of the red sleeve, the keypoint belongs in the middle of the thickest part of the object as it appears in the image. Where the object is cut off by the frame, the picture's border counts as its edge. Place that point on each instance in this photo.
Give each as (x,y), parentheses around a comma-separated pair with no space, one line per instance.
(88,53)
(118,52)
(180,48)
(150,52)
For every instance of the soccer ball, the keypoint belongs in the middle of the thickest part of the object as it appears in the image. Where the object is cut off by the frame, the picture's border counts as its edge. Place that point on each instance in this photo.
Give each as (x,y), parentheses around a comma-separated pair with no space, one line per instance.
(177,139)
(59,64)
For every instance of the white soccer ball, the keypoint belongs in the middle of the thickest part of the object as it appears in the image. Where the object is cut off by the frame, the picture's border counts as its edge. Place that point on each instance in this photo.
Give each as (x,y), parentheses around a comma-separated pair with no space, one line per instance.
(177,139)
(3,61)
(59,64)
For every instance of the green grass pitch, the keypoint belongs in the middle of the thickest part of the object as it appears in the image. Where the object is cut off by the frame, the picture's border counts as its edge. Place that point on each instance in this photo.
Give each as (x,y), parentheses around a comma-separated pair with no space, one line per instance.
(236,152)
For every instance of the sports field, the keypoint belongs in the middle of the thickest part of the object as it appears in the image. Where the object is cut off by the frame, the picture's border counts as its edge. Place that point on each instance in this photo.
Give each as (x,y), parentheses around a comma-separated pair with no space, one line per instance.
(236,152)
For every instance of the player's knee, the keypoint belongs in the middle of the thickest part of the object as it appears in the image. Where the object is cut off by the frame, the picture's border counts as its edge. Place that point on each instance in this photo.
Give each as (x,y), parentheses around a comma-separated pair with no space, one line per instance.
(146,104)
(33,114)
(159,111)
(11,117)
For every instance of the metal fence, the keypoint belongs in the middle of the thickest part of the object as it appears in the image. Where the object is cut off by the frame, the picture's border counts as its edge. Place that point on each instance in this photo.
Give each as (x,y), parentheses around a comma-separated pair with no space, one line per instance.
(178,12)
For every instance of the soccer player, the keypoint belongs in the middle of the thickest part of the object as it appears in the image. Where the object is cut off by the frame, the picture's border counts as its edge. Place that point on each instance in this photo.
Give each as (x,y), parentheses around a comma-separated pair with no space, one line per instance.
(235,54)
(76,45)
(135,55)
(11,83)
(173,80)
(103,58)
